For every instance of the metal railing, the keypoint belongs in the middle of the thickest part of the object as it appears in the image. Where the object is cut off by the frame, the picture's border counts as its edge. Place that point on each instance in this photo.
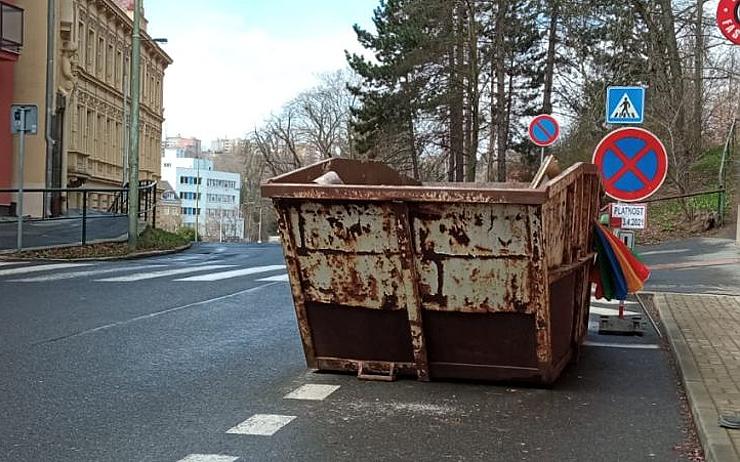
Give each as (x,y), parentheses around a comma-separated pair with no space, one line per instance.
(691,207)
(111,202)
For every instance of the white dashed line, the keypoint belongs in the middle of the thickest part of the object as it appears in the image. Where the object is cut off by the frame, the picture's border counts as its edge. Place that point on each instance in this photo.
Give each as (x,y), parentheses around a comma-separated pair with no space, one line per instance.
(278,278)
(38,268)
(208,458)
(262,425)
(160,274)
(232,274)
(631,346)
(312,392)
(663,252)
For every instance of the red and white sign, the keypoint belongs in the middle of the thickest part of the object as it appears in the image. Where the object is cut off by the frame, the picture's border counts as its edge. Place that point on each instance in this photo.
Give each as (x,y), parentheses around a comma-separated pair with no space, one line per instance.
(728,19)
(630,216)
(632,162)
(544,130)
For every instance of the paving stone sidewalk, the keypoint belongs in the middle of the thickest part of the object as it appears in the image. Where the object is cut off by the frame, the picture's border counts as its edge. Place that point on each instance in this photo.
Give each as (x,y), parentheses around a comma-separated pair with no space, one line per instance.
(704,331)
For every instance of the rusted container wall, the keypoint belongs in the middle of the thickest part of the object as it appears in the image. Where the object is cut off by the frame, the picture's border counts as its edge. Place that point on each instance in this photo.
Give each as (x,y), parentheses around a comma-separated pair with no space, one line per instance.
(392,277)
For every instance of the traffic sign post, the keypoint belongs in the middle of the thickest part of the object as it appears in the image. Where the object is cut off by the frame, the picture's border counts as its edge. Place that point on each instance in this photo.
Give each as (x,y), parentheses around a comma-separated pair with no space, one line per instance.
(632,162)
(544,130)
(728,19)
(23,119)
(625,105)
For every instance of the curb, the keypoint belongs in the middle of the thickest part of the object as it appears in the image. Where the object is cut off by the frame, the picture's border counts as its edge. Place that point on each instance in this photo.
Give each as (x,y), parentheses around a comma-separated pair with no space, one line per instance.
(714,439)
(133,256)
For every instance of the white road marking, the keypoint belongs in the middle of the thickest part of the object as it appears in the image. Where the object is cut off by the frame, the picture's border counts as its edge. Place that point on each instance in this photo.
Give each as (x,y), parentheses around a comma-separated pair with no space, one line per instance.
(82,274)
(278,278)
(208,458)
(312,392)
(38,268)
(232,274)
(631,346)
(162,274)
(603,301)
(663,252)
(610,311)
(262,425)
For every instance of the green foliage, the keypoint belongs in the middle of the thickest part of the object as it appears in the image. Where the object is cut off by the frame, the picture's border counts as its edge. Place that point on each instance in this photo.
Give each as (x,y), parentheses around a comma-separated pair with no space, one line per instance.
(158,239)
(186,233)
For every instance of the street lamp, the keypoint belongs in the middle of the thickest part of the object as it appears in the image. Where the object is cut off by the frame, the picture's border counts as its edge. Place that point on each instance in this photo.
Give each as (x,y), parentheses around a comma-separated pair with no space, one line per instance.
(126,89)
(133,160)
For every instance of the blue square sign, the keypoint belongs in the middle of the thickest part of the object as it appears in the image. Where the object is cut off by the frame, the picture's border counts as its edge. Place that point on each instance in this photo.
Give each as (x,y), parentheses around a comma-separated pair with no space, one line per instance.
(625,105)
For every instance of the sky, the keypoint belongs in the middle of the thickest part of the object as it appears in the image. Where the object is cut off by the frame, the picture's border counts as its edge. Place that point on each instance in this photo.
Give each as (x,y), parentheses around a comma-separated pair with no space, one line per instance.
(237,61)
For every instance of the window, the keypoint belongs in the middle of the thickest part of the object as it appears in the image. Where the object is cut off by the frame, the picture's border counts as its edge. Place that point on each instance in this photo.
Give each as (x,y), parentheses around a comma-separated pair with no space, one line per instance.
(109,57)
(90,131)
(90,61)
(119,68)
(100,57)
(81,41)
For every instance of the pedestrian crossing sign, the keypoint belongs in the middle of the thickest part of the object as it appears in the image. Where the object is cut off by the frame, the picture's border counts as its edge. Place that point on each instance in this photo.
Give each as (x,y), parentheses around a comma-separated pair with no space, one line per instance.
(625,105)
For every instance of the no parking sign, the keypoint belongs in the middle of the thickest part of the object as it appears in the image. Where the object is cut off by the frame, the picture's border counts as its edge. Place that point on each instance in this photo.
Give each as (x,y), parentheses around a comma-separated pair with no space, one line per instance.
(633,164)
(544,130)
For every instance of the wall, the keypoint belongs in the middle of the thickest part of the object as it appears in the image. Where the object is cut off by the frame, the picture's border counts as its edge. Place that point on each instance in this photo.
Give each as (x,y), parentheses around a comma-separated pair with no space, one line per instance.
(30,88)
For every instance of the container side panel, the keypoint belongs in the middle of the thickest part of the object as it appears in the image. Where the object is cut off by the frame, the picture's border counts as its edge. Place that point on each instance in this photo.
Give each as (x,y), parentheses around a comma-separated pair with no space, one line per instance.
(471,230)
(347,227)
(475,285)
(369,281)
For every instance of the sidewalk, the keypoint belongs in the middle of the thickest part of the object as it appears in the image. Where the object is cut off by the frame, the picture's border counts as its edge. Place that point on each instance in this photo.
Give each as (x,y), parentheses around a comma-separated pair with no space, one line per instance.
(704,331)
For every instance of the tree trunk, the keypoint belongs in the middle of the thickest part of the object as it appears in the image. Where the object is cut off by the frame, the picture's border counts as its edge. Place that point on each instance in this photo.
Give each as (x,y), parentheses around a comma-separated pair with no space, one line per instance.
(696,124)
(500,65)
(457,89)
(473,95)
(550,64)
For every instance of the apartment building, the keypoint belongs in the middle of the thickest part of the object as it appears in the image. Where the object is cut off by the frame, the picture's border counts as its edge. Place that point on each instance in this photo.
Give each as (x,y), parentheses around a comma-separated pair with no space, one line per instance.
(85,141)
(210,199)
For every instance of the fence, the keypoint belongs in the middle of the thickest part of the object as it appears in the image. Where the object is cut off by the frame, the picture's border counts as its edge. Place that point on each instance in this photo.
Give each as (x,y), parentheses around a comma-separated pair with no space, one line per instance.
(103,209)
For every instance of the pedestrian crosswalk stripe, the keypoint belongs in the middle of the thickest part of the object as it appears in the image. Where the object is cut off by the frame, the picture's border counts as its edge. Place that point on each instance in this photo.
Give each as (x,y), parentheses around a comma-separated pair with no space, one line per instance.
(39,268)
(232,274)
(81,274)
(261,425)
(208,458)
(161,274)
(278,278)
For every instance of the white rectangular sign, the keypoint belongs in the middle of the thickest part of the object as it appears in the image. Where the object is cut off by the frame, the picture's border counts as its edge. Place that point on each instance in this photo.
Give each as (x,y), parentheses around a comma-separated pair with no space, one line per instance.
(634,216)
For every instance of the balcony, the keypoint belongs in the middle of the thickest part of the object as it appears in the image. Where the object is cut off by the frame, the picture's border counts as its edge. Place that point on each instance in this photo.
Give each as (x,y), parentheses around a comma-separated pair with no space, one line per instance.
(11,28)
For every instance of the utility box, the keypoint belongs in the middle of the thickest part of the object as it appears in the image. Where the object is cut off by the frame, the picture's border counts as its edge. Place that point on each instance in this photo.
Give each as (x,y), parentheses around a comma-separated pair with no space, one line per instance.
(438,281)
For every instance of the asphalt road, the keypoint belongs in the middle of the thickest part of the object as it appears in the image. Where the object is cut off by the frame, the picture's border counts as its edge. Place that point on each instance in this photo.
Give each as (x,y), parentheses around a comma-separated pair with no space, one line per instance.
(695,266)
(165,359)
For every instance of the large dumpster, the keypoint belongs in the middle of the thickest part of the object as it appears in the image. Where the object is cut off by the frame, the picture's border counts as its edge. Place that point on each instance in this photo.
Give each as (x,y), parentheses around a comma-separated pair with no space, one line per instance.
(452,281)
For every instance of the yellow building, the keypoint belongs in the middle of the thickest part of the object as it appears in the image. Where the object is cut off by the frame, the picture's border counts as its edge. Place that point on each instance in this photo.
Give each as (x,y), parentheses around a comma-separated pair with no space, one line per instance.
(85,145)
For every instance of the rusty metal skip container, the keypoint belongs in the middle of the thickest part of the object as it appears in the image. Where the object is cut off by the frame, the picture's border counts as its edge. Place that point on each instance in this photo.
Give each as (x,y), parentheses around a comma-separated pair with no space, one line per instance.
(456,281)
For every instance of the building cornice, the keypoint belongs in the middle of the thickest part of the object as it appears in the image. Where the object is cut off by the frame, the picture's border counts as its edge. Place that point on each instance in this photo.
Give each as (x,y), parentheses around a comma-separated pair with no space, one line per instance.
(112,8)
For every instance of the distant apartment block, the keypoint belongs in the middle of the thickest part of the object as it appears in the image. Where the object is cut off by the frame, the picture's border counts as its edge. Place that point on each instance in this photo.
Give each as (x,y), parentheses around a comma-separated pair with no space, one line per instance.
(189,147)
(210,199)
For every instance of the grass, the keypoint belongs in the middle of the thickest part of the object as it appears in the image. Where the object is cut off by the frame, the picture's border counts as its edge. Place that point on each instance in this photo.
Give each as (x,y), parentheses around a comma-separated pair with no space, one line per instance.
(150,240)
